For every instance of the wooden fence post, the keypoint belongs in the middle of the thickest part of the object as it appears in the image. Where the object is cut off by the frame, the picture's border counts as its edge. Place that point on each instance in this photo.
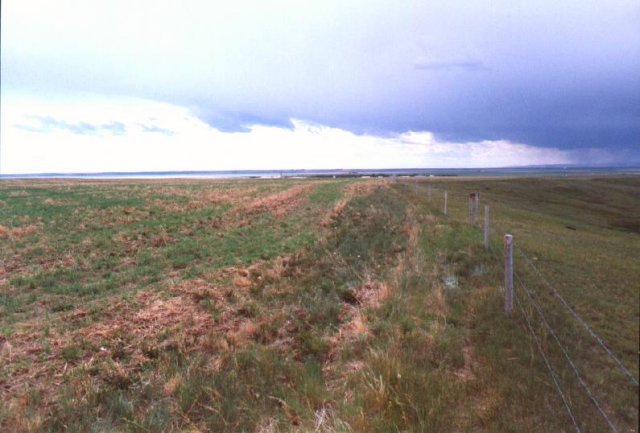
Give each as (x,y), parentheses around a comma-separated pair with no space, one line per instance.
(429,192)
(445,202)
(508,274)
(476,207)
(486,227)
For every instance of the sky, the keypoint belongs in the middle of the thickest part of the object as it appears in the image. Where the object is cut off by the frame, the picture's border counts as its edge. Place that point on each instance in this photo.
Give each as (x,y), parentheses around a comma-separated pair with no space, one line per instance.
(144,85)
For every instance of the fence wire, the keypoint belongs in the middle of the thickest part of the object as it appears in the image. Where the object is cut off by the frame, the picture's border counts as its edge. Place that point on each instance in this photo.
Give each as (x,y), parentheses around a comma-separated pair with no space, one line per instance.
(584,385)
(551,372)
(601,342)
(583,322)
(562,393)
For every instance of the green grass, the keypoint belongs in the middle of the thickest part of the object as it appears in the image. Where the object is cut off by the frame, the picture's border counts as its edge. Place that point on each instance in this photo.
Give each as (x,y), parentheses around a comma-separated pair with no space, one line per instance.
(571,229)
(181,306)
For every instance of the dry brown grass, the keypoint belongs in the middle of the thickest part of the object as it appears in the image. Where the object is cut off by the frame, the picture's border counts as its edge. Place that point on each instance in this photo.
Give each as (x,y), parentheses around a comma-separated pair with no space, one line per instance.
(386,316)
(280,203)
(136,325)
(352,190)
(114,337)
(483,398)
(53,202)
(20,232)
(202,199)
(354,325)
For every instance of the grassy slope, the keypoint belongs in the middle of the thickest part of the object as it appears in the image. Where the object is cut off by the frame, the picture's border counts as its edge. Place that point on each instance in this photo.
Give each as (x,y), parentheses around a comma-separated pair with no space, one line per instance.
(582,235)
(325,306)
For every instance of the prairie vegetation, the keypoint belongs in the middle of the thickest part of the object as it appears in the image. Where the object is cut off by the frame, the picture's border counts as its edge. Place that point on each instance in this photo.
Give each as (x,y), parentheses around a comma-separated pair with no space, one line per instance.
(312,305)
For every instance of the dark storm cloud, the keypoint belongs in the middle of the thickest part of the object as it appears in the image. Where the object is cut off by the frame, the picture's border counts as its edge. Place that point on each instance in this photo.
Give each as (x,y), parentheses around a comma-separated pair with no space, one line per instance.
(546,73)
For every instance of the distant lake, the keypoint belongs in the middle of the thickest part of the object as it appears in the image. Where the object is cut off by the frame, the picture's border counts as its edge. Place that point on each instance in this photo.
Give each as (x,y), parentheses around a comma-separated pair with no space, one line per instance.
(476,172)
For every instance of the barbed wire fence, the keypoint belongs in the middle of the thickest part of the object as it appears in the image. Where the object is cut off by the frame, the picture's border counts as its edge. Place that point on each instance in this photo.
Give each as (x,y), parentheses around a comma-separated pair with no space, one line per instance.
(525,298)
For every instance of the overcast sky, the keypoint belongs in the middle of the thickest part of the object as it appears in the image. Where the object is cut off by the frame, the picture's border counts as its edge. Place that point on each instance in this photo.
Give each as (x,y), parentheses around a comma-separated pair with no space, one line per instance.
(126,85)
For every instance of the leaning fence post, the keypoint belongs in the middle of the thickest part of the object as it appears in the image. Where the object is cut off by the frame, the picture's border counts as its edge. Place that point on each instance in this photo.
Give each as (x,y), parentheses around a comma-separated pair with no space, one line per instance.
(486,227)
(445,202)
(508,274)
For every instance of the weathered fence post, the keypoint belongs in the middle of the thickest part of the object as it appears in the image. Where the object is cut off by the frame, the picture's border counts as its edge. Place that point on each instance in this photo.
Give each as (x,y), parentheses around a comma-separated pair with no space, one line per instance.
(486,227)
(508,274)
(429,192)
(445,202)
(477,205)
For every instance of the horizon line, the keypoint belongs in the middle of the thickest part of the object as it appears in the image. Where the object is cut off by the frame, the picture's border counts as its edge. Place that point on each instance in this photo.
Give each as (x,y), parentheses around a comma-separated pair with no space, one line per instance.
(631,166)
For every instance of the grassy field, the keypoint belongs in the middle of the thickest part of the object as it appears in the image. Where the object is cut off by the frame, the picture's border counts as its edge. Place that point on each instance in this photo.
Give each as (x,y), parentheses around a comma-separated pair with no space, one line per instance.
(315,305)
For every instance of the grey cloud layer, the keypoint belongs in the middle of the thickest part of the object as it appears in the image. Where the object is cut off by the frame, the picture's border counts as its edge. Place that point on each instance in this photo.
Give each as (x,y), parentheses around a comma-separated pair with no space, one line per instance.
(45,124)
(546,73)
